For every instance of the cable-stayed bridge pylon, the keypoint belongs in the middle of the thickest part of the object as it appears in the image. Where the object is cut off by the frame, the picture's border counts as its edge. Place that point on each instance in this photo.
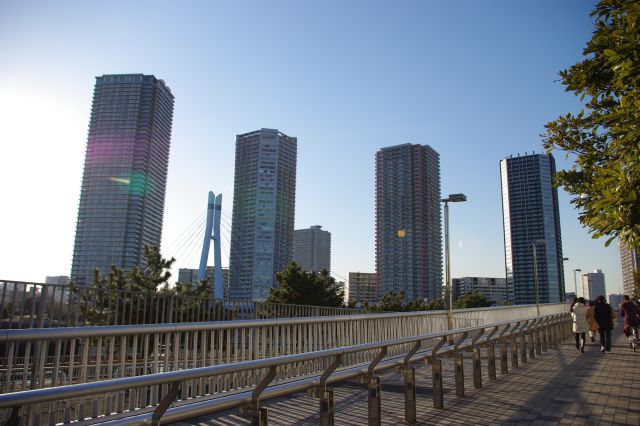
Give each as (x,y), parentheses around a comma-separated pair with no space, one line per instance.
(212,232)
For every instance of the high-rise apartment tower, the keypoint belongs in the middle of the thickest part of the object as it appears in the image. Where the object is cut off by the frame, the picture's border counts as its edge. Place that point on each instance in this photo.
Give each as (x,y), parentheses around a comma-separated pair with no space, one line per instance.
(263,211)
(630,260)
(408,221)
(593,285)
(312,249)
(531,222)
(125,174)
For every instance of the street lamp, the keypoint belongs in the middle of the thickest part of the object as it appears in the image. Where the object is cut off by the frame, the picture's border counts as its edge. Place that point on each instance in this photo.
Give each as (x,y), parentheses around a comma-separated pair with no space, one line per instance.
(453,198)
(575,281)
(535,272)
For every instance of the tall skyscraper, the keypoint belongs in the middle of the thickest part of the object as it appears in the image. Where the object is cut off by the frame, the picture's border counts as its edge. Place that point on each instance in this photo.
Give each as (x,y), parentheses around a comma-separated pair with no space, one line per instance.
(312,248)
(125,174)
(630,260)
(263,211)
(408,221)
(593,285)
(531,221)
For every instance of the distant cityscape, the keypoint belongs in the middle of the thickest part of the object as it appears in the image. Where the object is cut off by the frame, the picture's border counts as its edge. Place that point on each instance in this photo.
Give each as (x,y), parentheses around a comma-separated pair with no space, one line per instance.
(122,200)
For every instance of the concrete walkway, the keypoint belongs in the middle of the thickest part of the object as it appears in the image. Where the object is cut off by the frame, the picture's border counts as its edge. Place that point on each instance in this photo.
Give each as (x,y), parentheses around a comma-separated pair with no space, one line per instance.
(563,386)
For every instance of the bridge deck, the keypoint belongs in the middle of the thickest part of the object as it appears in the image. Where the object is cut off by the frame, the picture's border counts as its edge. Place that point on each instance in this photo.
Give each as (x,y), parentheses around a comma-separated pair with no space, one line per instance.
(562,386)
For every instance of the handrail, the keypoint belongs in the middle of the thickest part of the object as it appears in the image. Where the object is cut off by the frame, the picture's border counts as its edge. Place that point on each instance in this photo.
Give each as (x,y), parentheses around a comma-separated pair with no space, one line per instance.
(17,335)
(28,397)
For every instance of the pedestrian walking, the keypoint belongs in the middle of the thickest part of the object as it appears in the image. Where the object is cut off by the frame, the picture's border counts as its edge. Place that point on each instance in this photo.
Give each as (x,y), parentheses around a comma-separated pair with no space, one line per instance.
(591,320)
(604,317)
(580,324)
(573,303)
(629,311)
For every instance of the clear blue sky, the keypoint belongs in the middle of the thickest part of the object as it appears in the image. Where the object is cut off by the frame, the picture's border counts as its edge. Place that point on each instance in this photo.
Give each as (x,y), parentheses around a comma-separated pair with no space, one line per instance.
(475,80)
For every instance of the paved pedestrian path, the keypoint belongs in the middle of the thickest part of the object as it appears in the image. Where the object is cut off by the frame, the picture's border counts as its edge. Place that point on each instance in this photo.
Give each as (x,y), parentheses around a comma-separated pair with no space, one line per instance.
(562,386)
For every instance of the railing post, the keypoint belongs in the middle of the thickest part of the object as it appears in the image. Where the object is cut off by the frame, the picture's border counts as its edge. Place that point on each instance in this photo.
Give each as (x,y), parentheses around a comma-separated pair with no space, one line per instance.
(532,352)
(538,331)
(551,330)
(258,416)
(491,354)
(491,360)
(436,374)
(458,362)
(504,356)
(373,384)
(409,374)
(543,335)
(325,396)
(558,333)
(476,364)
(514,345)
(165,403)
(523,343)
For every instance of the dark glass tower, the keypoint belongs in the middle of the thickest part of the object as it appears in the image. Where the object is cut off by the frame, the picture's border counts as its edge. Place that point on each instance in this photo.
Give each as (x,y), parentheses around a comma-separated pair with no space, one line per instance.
(408,221)
(531,217)
(125,174)
(264,200)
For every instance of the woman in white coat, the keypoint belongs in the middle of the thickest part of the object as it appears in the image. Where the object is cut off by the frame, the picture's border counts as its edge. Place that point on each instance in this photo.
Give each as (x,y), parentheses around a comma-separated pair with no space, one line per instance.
(580,324)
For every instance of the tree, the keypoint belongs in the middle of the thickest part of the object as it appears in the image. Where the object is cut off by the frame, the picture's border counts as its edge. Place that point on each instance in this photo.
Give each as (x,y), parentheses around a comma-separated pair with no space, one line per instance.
(305,288)
(605,136)
(121,297)
(473,299)
(394,302)
(154,275)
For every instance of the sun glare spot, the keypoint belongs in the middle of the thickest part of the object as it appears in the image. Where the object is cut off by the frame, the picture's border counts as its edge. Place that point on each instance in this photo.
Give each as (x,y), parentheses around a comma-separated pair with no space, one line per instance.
(119,180)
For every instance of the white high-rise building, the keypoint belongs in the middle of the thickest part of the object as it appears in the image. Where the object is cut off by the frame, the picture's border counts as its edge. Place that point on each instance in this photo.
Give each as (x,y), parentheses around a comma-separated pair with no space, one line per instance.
(593,285)
(263,211)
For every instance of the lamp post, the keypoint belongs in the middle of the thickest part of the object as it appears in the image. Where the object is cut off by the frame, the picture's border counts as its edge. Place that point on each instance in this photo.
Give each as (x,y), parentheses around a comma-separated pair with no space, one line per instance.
(452,198)
(575,281)
(535,272)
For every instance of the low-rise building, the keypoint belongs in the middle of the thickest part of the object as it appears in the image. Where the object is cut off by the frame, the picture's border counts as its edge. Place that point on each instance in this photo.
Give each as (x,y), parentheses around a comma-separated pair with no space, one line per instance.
(494,289)
(362,287)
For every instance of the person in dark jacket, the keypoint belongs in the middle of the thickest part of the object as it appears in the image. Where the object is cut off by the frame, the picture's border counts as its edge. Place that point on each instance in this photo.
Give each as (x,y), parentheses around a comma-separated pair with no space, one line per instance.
(604,317)
(629,311)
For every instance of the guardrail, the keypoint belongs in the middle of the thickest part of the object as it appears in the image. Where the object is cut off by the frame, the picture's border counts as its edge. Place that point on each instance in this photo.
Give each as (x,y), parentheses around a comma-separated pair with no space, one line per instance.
(37,305)
(146,399)
(48,357)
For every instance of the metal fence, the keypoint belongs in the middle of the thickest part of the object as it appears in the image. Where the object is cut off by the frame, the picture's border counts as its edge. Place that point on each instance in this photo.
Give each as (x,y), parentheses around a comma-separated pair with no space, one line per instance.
(198,391)
(48,357)
(36,305)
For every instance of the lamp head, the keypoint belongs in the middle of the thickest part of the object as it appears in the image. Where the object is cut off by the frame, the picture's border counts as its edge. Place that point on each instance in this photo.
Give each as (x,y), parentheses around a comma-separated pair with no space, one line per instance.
(455,198)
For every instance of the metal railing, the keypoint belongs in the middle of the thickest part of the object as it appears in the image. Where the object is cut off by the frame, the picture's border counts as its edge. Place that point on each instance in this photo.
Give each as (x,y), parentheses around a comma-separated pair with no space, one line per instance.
(48,357)
(193,392)
(37,305)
